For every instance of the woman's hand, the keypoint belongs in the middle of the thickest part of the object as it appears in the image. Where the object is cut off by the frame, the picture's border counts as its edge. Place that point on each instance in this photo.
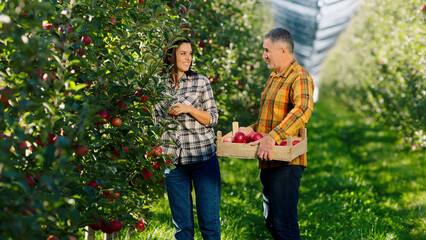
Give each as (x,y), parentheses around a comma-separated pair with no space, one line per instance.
(201,116)
(179,108)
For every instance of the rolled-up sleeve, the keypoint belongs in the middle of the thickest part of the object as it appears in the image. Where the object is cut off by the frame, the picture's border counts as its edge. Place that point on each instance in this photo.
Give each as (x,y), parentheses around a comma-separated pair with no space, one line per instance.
(209,104)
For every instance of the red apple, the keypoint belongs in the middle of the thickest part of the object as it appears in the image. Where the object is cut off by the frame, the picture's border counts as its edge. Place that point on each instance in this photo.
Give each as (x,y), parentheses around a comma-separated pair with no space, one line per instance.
(116,122)
(202,43)
(115,225)
(65,29)
(138,92)
(140,226)
(30,180)
(295,142)
(104,115)
(113,21)
(239,137)
(23,145)
(93,184)
(80,52)
(97,226)
(256,136)
(7,92)
(144,98)
(283,143)
(156,151)
(86,40)
(106,229)
(156,165)
(52,138)
(120,103)
(247,138)
(117,152)
(47,26)
(146,174)
(80,151)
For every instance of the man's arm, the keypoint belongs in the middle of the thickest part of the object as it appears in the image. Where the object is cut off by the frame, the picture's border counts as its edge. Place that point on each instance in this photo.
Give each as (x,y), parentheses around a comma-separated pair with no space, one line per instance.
(302,97)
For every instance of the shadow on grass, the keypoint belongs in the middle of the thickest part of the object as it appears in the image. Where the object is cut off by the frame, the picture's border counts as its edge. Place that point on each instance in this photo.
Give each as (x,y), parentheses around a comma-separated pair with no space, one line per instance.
(359,180)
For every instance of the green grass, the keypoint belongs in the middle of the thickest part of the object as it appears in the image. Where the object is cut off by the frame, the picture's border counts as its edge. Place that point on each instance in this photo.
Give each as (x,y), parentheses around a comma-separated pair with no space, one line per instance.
(359,184)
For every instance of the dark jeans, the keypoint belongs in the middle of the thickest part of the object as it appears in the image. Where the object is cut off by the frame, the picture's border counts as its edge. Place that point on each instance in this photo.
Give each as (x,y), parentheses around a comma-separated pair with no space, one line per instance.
(280,186)
(205,178)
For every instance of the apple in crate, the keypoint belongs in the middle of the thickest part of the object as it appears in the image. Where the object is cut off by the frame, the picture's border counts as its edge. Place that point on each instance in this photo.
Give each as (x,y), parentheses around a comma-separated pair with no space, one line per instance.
(284,143)
(247,138)
(228,139)
(239,137)
(256,136)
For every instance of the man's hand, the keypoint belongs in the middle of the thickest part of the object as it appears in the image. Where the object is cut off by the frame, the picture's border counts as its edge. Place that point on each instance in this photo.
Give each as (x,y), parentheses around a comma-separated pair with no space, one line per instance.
(266,145)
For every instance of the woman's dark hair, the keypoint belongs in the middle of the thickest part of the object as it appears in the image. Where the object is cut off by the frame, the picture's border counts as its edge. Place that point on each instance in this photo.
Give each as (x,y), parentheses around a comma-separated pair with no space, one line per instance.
(170,52)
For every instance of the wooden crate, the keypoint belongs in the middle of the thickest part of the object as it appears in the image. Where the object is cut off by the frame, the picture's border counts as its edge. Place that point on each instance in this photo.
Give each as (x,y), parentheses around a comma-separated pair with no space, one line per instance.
(245,150)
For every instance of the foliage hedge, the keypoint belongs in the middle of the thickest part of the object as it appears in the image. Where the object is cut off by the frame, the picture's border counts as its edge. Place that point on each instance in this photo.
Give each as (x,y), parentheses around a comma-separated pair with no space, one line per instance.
(61,161)
(377,67)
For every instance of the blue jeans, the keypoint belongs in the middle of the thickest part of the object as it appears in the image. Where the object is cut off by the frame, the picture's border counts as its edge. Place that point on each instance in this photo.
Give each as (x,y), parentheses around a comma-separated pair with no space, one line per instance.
(204,177)
(280,186)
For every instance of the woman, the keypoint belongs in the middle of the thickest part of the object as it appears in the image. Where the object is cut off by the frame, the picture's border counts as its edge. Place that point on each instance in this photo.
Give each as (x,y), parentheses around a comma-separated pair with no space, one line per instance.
(193,149)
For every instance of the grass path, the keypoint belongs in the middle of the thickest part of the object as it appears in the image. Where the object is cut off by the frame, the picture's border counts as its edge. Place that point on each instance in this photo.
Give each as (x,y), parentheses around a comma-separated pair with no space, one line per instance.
(359,184)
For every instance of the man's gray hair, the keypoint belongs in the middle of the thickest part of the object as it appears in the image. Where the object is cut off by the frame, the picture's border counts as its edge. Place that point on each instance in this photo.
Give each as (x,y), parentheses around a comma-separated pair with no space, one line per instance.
(282,35)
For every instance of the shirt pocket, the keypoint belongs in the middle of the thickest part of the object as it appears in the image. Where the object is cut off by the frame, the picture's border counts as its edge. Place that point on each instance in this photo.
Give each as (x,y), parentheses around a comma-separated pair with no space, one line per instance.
(191,99)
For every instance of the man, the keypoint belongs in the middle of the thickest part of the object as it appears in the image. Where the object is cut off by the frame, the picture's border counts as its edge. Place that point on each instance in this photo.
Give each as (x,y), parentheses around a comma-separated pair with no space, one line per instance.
(285,107)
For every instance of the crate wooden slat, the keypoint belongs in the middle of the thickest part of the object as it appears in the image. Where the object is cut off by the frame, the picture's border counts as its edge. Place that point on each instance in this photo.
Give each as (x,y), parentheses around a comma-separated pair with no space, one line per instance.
(244,150)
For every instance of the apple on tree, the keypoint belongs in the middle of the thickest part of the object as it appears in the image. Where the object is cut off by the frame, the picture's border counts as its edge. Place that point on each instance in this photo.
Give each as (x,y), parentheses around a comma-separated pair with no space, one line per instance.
(106,229)
(115,225)
(146,174)
(30,180)
(116,122)
(5,96)
(96,226)
(93,184)
(86,40)
(47,26)
(140,226)
(80,151)
(202,43)
(104,115)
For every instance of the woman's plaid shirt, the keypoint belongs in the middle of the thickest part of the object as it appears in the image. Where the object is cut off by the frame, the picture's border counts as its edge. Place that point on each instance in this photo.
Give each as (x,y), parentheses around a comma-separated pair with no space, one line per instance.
(192,141)
(285,107)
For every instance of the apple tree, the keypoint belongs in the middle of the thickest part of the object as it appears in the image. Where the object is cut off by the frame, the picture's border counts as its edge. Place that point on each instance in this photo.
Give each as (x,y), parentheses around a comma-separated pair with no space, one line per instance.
(78,82)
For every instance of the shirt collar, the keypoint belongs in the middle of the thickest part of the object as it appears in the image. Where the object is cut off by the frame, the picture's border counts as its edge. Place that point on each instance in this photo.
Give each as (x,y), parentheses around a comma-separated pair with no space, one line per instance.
(285,71)
(183,79)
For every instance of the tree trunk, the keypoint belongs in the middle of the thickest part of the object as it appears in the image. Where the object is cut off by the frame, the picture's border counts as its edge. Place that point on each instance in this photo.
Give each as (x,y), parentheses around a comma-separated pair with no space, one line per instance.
(112,236)
(90,233)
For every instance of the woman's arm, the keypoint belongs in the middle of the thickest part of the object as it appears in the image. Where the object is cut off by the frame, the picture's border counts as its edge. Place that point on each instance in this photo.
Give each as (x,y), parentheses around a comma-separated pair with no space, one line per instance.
(201,116)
